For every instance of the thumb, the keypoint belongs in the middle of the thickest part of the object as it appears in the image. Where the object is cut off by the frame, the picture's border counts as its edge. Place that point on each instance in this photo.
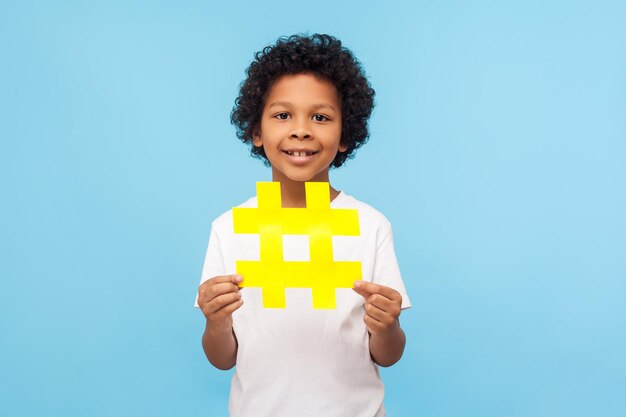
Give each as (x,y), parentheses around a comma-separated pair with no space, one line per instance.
(359,289)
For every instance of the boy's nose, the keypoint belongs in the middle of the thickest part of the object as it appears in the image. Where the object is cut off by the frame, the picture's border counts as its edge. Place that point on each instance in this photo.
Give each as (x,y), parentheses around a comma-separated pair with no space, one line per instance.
(300,133)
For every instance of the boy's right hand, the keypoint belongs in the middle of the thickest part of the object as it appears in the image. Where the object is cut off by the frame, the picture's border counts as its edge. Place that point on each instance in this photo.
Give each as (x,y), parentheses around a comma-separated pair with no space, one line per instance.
(218,298)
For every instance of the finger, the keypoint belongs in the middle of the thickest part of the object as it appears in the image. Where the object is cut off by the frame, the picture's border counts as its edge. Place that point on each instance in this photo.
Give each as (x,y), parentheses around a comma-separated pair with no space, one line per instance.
(220,302)
(373,325)
(377,289)
(384,318)
(362,292)
(385,304)
(375,312)
(234,278)
(211,291)
(227,310)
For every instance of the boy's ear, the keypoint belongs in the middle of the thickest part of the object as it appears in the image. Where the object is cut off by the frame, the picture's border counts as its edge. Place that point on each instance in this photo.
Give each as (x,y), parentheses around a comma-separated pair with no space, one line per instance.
(342,147)
(256,138)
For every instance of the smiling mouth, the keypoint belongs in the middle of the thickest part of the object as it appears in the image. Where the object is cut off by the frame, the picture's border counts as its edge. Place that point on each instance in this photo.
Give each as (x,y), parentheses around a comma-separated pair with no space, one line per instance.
(300,153)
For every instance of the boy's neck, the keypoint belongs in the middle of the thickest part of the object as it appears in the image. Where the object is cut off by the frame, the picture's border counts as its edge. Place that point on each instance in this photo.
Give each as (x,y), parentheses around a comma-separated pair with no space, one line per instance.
(293,193)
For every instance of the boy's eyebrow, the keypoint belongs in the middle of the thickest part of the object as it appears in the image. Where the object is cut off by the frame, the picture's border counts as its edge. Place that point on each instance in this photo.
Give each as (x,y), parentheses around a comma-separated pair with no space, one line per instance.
(315,106)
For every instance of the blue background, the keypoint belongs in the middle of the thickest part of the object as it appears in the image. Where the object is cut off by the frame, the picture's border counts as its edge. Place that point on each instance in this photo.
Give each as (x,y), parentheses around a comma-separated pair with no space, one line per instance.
(497,150)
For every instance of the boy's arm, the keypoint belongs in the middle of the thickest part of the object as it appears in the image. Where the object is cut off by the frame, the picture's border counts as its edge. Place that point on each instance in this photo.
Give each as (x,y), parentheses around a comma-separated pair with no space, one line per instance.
(387,348)
(382,309)
(218,298)
(220,346)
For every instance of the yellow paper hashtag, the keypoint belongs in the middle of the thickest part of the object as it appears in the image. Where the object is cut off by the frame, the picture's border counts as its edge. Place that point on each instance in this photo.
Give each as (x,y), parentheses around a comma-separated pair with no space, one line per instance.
(270,221)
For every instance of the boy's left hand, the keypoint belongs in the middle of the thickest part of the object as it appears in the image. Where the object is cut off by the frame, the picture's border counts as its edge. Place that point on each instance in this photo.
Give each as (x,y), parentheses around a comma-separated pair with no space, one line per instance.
(382,306)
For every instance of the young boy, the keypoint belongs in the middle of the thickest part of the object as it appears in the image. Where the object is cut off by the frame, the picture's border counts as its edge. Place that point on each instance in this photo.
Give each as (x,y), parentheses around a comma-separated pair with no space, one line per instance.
(304,107)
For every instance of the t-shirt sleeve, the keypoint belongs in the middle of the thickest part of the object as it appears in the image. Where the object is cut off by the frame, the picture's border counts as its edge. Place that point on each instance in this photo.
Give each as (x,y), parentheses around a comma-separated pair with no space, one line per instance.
(386,270)
(213,261)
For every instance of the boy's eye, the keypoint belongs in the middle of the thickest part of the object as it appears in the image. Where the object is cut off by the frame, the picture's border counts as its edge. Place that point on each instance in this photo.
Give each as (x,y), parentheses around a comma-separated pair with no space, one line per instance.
(285,116)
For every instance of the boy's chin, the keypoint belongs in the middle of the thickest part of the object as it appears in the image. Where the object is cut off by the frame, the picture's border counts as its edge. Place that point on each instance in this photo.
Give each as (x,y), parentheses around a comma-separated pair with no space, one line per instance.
(301,177)
(304,178)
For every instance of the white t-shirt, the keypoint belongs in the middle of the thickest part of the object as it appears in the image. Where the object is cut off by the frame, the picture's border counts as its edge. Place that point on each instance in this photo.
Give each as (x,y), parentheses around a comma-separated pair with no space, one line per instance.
(300,361)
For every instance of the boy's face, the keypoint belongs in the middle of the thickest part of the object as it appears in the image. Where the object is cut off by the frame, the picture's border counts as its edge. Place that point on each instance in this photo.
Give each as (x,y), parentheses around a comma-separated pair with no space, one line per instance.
(300,128)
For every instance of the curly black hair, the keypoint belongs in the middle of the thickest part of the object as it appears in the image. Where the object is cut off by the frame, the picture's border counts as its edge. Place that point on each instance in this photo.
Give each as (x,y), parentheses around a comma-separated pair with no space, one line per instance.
(318,54)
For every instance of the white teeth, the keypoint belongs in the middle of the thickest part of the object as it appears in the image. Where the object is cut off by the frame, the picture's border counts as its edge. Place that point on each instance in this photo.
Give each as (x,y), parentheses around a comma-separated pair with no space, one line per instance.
(298,153)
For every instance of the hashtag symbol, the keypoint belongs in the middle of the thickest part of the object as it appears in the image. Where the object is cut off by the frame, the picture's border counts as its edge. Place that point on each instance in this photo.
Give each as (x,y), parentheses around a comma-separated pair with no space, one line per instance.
(270,221)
